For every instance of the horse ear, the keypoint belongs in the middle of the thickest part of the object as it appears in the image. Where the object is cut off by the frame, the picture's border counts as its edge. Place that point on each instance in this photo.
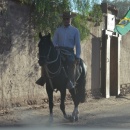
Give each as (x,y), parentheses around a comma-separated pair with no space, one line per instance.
(40,35)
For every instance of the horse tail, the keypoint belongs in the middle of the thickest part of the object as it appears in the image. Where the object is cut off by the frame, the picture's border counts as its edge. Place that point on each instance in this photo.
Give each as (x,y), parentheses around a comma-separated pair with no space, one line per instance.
(81,84)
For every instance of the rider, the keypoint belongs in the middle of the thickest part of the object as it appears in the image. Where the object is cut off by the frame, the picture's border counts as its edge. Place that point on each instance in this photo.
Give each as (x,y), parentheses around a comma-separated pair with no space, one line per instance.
(67,37)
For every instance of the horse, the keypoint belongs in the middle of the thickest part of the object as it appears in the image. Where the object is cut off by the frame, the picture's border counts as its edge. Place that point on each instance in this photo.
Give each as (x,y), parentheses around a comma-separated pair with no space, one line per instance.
(50,58)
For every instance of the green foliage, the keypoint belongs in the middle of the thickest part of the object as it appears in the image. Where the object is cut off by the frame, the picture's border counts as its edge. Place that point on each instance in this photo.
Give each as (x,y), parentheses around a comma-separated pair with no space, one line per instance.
(46,18)
(96,13)
(84,31)
(121,5)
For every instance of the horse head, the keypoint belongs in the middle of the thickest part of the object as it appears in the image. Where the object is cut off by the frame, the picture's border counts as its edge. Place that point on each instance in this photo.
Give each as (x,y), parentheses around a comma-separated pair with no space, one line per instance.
(44,45)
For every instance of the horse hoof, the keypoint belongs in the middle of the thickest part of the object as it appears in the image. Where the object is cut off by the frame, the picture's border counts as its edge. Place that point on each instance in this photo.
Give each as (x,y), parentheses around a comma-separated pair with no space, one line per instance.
(51,119)
(72,119)
(68,117)
(76,118)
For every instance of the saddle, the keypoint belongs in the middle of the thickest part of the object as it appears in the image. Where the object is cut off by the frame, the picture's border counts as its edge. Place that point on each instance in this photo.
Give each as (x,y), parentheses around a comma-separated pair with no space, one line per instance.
(77,68)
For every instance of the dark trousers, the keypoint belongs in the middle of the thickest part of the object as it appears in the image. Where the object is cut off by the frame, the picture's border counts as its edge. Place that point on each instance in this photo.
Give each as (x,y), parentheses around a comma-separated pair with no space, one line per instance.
(69,61)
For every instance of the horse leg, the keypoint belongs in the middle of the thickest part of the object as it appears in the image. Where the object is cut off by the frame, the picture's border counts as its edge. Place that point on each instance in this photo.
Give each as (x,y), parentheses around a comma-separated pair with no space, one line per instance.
(50,96)
(62,104)
(75,113)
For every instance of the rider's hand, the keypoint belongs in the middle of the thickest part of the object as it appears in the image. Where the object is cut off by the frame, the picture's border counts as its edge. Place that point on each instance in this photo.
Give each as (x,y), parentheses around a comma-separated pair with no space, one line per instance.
(77,60)
(57,47)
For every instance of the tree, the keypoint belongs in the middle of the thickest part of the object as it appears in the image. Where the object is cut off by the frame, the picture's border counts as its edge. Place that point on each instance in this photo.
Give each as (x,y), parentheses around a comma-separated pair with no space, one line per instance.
(121,5)
(45,14)
(96,13)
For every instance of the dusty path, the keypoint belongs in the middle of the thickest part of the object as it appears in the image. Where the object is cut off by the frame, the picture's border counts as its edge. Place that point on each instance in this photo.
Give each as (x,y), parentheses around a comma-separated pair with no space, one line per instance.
(95,113)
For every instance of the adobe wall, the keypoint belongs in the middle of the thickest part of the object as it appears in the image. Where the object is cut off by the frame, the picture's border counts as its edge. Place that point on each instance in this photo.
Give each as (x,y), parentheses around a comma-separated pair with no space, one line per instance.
(125,64)
(91,55)
(18,55)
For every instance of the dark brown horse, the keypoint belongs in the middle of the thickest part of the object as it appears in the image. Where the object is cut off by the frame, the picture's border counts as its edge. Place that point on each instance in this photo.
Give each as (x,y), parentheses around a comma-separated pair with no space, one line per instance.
(56,76)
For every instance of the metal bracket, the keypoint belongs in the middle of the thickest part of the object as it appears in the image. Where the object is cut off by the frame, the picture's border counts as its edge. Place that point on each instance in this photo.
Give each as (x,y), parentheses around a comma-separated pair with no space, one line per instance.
(114,34)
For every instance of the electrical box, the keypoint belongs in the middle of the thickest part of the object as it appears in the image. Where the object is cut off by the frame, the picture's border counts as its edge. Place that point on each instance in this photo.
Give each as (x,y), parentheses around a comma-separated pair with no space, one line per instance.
(110,22)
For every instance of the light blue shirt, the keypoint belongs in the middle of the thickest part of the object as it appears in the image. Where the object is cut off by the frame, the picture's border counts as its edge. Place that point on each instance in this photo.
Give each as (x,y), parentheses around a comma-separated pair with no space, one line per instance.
(68,37)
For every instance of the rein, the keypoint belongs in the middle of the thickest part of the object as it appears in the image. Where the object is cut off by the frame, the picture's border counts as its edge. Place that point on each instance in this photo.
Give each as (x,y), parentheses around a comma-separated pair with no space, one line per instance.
(59,51)
(51,62)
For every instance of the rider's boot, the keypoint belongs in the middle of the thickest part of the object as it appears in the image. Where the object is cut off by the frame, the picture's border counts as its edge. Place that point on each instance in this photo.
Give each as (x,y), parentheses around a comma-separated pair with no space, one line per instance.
(42,80)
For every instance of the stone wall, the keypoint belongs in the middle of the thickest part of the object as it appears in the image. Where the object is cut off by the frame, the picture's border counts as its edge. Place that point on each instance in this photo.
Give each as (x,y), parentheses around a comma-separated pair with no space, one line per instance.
(125,64)
(18,55)
(91,55)
(18,52)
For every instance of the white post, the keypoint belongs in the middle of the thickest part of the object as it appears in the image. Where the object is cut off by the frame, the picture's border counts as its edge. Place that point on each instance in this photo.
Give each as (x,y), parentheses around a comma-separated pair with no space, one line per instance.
(108,67)
(118,66)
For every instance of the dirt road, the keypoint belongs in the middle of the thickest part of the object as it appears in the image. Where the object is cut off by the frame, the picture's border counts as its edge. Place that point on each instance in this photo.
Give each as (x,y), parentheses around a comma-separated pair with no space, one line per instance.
(95,113)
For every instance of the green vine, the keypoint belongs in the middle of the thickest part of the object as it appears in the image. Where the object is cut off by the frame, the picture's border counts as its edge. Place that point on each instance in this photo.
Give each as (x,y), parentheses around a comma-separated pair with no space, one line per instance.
(45,14)
(96,14)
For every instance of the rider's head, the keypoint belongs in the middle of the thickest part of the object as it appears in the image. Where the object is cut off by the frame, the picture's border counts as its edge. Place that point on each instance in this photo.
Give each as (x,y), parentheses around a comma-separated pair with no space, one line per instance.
(66,17)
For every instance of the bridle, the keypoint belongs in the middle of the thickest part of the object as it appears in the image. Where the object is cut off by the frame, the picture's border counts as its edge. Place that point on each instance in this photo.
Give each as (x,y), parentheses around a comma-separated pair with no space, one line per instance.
(48,62)
(58,57)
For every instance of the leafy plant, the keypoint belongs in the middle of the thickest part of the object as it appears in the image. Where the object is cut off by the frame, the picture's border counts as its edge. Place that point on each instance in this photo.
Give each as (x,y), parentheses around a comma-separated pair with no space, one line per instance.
(96,13)
(45,14)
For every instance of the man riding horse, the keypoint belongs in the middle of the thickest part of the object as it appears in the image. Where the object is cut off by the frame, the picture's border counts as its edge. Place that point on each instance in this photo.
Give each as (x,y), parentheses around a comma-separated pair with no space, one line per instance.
(66,37)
